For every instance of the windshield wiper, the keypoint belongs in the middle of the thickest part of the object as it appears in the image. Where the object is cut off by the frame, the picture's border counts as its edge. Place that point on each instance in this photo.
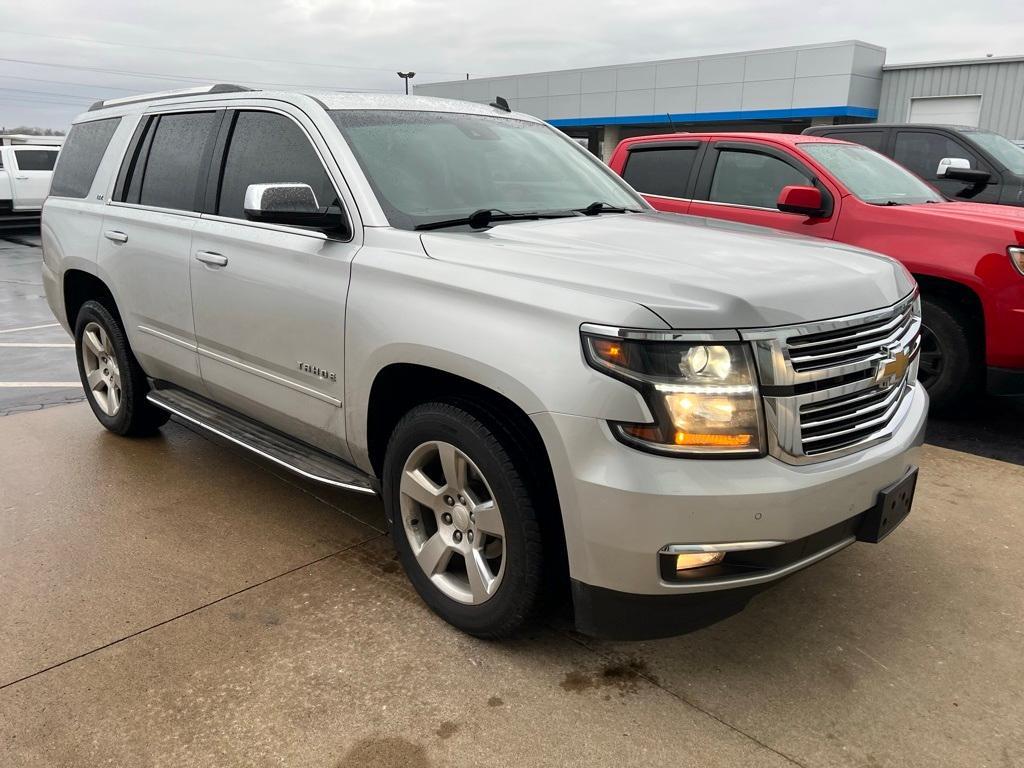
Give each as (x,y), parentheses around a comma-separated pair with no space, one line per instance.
(485,216)
(601,207)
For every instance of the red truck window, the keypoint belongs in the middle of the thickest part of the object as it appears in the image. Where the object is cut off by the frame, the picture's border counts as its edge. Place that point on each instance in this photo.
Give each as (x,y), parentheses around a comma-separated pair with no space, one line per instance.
(664,172)
(752,178)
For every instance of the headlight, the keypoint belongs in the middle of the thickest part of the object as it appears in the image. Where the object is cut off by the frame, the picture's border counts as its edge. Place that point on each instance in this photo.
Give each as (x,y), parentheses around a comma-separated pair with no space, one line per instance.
(1017,257)
(703,394)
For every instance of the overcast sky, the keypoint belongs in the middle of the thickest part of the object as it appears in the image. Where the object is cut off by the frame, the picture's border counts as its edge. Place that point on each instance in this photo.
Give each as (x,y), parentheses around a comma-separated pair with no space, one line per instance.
(82,51)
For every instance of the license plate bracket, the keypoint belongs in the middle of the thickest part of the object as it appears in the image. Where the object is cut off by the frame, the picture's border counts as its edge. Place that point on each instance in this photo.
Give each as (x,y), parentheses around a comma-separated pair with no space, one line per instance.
(891,509)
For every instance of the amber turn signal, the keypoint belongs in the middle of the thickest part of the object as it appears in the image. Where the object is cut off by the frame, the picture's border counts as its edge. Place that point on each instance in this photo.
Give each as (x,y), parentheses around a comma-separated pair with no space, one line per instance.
(717,441)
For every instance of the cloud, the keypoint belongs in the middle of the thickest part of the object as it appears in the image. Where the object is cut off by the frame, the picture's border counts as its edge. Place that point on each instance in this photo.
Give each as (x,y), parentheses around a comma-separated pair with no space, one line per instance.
(359,44)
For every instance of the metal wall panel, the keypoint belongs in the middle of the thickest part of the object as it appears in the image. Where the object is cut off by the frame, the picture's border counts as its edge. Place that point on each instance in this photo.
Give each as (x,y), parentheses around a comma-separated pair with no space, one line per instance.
(999,83)
(841,79)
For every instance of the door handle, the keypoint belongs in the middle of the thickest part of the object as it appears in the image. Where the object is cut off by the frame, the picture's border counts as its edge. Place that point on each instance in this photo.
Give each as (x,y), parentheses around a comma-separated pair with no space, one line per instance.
(211,258)
(21,178)
(115,236)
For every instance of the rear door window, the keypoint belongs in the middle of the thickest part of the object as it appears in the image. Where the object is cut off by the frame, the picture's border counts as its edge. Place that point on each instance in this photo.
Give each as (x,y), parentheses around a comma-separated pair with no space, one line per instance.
(35,159)
(174,166)
(752,178)
(664,171)
(266,148)
(81,156)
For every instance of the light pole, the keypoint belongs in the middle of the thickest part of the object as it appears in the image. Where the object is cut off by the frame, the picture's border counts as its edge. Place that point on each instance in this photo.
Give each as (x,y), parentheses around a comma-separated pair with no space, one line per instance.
(407,76)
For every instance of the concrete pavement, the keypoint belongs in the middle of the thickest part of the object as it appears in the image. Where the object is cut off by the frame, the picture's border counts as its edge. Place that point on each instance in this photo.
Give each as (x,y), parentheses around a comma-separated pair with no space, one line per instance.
(171,601)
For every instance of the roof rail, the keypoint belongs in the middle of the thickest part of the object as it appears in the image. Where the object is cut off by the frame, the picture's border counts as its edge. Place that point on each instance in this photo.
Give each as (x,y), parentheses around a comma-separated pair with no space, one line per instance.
(197,91)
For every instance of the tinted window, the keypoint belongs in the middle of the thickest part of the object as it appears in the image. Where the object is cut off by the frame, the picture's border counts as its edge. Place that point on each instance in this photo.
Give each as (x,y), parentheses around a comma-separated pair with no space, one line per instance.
(175,160)
(921,152)
(660,171)
(750,178)
(81,156)
(36,159)
(267,147)
(873,139)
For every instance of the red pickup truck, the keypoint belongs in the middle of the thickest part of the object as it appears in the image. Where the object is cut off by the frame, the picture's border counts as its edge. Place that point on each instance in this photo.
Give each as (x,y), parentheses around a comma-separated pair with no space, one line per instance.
(968,258)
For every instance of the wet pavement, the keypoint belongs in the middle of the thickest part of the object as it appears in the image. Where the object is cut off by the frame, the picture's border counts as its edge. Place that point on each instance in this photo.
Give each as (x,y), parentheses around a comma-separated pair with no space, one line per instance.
(37,358)
(175,601)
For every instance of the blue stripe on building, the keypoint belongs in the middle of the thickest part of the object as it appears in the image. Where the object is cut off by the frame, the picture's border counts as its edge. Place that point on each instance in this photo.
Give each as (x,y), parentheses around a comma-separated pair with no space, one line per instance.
(716,117)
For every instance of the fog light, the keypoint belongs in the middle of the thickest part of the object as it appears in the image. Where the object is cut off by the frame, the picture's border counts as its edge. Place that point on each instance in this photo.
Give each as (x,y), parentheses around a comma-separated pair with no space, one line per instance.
(698,560)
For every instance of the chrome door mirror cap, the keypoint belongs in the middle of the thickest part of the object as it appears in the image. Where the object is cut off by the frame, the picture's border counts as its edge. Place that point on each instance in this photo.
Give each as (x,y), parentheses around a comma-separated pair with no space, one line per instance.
(291,204)
(290,197)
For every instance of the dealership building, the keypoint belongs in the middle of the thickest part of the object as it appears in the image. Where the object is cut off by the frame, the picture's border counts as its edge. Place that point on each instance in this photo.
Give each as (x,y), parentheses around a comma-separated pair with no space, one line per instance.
(781,89)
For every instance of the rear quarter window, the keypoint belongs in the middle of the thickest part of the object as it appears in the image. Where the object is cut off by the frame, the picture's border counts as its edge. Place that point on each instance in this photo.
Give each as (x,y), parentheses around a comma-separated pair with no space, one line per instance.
(81,156)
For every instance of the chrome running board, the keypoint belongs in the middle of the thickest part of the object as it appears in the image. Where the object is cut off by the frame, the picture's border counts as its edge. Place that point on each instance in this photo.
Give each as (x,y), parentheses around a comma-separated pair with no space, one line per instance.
(288,452)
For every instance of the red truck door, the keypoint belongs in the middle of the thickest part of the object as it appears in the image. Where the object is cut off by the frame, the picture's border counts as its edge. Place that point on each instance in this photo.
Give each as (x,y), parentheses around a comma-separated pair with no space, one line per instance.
(664,172)
(741,181)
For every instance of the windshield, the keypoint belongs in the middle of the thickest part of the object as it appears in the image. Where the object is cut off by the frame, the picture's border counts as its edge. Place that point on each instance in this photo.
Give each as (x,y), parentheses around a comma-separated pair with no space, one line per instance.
(426,167)
(1002,149)
(870,176)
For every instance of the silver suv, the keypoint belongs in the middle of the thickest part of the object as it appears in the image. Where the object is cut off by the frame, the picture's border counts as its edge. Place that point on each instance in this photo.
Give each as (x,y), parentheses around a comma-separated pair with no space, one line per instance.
(561,396)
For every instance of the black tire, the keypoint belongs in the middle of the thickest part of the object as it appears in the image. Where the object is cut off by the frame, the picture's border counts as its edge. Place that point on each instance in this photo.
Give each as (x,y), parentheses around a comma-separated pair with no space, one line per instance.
(135,415)
(516,599)
(949,358)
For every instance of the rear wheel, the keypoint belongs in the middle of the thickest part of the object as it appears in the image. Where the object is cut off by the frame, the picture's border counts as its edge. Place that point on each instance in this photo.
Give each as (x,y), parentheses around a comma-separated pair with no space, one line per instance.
(462,520)
(948,367)
(114,383)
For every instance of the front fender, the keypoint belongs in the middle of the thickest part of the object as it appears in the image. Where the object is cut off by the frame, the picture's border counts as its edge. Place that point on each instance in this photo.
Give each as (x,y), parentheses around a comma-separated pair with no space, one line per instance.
(512,335)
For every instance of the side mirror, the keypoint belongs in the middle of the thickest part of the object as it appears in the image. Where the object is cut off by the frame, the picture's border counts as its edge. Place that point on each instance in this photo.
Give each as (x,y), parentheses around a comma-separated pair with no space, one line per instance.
(292,204)
(959,169)
(803,200)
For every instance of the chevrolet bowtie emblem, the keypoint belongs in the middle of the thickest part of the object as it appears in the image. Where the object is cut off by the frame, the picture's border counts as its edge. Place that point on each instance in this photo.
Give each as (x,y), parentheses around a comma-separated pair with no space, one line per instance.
(893,367)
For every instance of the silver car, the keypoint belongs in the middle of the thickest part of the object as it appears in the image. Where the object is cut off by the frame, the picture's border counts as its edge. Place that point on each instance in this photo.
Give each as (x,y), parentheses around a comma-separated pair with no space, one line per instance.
(562,396)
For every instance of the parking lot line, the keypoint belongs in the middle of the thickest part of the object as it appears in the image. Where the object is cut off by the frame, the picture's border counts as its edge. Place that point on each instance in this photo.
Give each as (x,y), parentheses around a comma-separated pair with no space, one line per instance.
(37,344)
(39,384)
(30,328)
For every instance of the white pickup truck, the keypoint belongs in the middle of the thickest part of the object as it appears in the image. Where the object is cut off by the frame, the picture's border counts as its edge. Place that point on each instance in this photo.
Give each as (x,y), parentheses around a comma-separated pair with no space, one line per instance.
(25,173)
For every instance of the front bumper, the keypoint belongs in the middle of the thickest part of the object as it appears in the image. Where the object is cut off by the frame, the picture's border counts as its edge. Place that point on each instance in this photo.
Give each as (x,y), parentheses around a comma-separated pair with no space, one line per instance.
(620,506)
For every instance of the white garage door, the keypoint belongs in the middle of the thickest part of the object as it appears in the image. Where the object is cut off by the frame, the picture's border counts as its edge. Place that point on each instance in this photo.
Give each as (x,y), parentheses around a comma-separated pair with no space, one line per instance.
(957,110)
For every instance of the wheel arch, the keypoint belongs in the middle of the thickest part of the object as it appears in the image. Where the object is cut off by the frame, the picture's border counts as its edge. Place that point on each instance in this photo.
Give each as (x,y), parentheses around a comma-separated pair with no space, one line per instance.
(399,387)
(79,287)
(959,298)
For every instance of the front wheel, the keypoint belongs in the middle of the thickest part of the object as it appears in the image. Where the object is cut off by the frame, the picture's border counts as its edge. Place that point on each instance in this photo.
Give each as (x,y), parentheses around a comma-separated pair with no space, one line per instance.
(462,520)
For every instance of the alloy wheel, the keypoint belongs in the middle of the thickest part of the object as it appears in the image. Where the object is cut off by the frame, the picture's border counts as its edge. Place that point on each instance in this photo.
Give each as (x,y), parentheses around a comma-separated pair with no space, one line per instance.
(453,523)
(103,377)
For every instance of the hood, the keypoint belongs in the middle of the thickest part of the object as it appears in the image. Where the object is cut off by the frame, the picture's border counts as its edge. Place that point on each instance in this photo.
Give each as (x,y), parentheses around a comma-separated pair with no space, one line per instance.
(695,273)
(975,217)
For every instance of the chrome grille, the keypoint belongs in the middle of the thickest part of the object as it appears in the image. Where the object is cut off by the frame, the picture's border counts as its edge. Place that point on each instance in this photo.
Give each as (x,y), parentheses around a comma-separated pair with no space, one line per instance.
(847,345)
(838,386)
(830,425)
